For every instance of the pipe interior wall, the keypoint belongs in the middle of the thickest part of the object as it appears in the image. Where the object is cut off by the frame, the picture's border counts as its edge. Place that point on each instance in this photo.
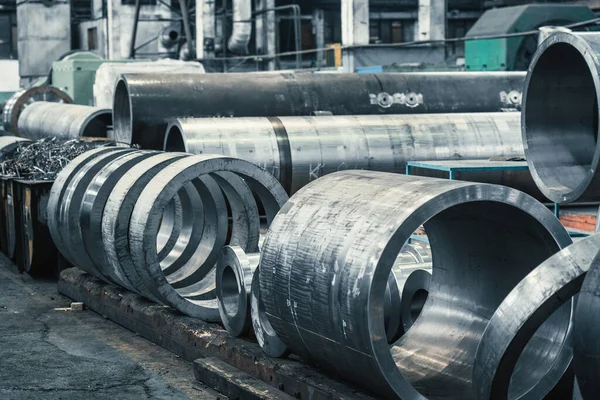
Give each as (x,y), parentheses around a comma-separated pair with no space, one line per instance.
(330,253)
(65,121)
(560,117)
(298,150)
(144,103)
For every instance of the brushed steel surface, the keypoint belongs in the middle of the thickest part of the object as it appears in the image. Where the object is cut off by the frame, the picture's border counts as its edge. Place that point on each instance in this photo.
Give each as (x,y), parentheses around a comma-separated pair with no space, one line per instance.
(560,117)
(65,121)
(144,103)
(298,150)
(235,270)
(327,258)
(540,304)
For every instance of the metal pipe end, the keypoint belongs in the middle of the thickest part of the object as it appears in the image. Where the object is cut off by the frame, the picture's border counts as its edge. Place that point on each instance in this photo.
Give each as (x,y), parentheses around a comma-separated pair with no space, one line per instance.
(174,138)
(122,116)
(235,269)
(560,116)
(97,124)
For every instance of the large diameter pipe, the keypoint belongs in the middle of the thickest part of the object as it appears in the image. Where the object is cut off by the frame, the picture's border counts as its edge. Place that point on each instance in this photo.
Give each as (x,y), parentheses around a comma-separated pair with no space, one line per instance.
(298,150)
(65,121)
(144,103)
(560,117)
(326,260)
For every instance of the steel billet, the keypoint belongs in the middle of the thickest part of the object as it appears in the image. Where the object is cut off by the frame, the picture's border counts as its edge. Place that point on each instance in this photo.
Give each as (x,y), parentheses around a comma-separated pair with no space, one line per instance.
(68,211)
(298,150)
(144,103)
(145,220)
(65,121)
(560,117)
(266,336)
(235,270)
(327,258)
(586,329)
(116,216)
(92,207)
(540,304)
(59,187)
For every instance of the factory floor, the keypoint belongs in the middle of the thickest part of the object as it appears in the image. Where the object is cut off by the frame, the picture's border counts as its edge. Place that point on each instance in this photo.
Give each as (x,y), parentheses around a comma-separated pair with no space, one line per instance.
(49,353)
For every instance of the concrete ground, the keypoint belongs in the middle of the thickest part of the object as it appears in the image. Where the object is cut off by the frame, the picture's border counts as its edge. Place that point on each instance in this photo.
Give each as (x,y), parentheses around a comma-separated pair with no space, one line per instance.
(49,353)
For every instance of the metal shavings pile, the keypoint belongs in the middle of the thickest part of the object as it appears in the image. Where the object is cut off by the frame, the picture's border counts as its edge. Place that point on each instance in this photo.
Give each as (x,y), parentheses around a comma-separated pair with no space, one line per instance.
(45,158)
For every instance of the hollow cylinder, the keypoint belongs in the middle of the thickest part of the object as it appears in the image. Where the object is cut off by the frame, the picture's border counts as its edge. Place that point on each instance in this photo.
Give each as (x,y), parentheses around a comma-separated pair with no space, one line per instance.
(65,121)
(143,103)
(560,117)
(327,257)
(297,150)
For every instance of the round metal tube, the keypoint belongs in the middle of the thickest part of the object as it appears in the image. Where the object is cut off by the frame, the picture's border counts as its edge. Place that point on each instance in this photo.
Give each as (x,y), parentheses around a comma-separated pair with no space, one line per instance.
(144,103)
(297,150)
(235,270)
(540,304)
(24,98)
(325,301)
(65,121)
(266,336)
(560,117)
(586,329)
(147,213)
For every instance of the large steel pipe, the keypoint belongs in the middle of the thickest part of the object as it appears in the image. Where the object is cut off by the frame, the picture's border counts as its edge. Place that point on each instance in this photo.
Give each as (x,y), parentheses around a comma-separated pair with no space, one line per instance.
(586,329)
(65,121)
(327,257)
(297,150)
(144,103)
(540,304)
(560,117)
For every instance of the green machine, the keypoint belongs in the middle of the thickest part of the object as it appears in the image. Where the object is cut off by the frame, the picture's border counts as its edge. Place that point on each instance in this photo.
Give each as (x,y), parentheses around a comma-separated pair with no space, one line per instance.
(515,53)
(75,74)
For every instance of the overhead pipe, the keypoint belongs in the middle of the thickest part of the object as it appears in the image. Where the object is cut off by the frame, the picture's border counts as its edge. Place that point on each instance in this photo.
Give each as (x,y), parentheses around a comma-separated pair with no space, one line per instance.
(144,103)
(65,121)
(242,27)
(325,302)
(560,117)
(298,150)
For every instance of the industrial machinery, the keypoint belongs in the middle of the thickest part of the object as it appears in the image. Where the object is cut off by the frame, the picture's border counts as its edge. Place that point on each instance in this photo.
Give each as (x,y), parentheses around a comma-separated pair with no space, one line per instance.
(515,53)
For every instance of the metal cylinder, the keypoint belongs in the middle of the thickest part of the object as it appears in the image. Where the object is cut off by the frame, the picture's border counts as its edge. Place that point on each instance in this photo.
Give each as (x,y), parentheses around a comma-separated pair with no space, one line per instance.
(24,98)
(586,326)
(540,304)
(326,261)
(297,150)
(560,117)
(144,103)
(235,270)
(65,121)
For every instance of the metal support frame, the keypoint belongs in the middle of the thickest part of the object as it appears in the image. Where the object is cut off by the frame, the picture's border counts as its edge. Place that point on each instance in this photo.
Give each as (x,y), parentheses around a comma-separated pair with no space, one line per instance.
(355,28)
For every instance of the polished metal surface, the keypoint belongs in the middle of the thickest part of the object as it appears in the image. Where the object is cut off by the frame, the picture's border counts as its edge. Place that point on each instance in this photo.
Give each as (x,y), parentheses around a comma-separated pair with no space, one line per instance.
(144,103)
(195,298)
(298,150)
(540,304)
(235,270)
(560,117)
(24,98)
(586,329)
(65,121)
(266,336)
(328,255)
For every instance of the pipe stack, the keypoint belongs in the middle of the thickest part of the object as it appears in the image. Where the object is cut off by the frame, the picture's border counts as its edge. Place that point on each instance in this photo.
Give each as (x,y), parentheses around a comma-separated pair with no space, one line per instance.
(155,223)
(144,103)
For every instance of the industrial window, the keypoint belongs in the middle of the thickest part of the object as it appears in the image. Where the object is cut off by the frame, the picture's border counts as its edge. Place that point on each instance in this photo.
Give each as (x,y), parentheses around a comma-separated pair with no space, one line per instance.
(92,38)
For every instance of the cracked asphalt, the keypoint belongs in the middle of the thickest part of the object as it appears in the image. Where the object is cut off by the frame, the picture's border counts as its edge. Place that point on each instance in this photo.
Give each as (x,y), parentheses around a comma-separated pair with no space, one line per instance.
(50,354)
